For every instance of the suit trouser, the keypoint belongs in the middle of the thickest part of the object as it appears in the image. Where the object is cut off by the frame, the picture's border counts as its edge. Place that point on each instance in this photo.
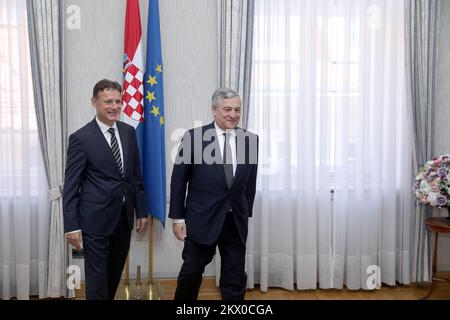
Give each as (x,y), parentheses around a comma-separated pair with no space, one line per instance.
(104,260)
(233,279)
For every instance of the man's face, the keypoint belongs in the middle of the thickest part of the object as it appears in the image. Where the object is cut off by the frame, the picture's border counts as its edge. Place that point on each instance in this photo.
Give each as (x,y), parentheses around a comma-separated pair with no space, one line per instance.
(108,104)
(228,113)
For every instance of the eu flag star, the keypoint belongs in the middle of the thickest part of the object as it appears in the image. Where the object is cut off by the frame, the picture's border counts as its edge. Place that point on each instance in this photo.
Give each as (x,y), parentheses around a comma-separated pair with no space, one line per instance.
(159,68)
(161,120)
(155,111)
(152,80)
(150,96)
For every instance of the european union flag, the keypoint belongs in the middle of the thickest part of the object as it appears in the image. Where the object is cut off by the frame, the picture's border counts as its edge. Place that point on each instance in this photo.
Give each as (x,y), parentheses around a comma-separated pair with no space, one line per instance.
(154,164)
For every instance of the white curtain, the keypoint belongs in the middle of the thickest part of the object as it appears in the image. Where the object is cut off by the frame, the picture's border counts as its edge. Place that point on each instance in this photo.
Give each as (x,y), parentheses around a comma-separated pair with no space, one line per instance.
(24,204)
(334,195)
(235,48)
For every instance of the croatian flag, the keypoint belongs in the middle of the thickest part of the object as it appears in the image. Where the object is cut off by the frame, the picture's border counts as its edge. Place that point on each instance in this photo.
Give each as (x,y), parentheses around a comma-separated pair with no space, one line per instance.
(133,73)
(149,132)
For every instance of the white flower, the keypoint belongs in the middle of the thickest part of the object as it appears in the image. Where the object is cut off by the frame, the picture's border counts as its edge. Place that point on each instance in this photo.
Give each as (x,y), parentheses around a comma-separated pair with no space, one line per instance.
(432,198)
(425,187)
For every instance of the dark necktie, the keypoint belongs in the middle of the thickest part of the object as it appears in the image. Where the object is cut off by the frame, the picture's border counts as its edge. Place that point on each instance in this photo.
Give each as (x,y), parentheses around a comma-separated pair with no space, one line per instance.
(116,151)
(227,160)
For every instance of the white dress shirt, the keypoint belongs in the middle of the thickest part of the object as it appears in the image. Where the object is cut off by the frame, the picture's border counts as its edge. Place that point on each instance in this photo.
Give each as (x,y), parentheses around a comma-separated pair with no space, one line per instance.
(104,128)
(221,139)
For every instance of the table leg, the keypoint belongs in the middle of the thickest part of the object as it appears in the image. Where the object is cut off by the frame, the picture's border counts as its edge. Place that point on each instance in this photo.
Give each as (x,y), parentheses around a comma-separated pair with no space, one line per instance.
(434,269)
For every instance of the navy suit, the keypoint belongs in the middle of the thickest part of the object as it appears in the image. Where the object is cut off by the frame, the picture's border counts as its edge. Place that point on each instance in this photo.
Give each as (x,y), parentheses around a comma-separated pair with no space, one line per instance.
(102,204)
(215,214)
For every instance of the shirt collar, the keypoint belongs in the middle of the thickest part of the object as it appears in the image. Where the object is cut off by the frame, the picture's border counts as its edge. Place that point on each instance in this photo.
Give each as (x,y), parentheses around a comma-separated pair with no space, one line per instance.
(220,131)
(104,127)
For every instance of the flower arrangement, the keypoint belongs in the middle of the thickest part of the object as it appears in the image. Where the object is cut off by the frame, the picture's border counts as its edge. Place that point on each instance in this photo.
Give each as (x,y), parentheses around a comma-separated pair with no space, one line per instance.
(433,182)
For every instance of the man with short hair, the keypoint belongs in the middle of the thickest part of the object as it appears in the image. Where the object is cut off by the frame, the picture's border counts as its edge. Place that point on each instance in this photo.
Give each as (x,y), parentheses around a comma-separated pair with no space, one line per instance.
(103,190)
(217,165)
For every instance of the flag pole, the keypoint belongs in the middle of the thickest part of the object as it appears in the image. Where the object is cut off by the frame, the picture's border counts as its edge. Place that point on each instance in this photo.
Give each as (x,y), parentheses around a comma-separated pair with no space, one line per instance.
(153,290)
(127,271)
(150,251)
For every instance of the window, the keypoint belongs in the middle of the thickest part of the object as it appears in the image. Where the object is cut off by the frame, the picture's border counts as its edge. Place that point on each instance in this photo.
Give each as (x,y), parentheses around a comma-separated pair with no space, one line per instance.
(20,158)
(321,70)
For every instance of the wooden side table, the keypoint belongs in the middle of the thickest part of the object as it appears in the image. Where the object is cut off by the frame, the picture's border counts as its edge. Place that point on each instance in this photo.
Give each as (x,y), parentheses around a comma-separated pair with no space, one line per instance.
(436,225)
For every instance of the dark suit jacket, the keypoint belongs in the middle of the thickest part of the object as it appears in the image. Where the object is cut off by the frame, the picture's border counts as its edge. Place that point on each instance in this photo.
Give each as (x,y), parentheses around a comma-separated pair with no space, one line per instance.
(93,188)
(208,198)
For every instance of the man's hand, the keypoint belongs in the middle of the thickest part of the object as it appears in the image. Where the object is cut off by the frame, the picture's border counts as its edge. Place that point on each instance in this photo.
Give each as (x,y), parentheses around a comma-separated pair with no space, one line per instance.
(179,230)
(141,224)
(76,240)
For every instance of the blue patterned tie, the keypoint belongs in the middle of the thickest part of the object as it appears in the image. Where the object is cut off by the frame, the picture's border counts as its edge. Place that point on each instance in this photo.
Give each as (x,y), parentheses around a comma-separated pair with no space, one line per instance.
(116,151)
(227,160)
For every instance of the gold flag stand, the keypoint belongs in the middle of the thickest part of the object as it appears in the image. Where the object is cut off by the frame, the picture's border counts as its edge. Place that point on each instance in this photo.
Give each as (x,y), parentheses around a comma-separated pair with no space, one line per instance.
(153,290)
(137,290)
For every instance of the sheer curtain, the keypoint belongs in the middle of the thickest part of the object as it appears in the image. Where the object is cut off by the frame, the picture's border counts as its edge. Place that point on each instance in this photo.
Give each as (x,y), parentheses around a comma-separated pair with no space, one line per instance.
(24,205)
(235,48)
(334,194)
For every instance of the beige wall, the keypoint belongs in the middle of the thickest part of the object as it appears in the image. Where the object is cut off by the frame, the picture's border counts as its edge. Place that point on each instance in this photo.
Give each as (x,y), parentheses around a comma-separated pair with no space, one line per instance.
(189,46)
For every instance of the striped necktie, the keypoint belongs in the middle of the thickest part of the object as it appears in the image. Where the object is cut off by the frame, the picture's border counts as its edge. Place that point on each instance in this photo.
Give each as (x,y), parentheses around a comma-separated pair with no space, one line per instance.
(116,151)
(227,160)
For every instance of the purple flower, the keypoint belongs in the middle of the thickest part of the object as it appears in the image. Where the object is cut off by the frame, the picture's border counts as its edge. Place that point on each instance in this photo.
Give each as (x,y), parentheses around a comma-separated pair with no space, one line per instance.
(442,172)
(441,200)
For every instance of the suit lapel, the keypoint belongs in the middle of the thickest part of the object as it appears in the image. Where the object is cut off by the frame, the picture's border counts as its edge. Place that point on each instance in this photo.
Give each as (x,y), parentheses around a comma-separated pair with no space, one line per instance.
(240,155)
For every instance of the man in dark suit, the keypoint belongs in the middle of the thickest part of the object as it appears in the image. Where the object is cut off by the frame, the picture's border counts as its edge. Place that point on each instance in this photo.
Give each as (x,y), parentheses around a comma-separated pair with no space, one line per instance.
(217,165)
(103,189)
